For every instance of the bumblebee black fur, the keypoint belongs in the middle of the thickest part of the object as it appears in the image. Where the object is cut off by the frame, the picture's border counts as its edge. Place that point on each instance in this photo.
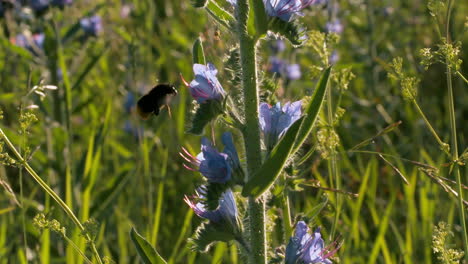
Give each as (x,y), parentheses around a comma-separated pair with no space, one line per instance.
(155,100)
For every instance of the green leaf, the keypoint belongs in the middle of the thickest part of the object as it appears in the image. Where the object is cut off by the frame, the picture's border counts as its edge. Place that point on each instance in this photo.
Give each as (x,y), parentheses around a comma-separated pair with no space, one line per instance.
(93,62)
(272,167)
(293,31)
(16,49)
(206,112)
(222,16)
(147,253)
(213,193)
(261,20)
(197,52)
(312,110)
(206,234)
(251,29)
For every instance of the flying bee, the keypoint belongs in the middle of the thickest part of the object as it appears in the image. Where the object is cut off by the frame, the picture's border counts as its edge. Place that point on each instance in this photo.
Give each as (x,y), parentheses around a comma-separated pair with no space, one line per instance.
(155,100)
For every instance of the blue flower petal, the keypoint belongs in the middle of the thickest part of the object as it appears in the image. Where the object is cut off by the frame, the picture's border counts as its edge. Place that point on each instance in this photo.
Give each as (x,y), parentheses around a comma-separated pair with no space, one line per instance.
(230,148)
(275,121)
(214,165)
(206,86)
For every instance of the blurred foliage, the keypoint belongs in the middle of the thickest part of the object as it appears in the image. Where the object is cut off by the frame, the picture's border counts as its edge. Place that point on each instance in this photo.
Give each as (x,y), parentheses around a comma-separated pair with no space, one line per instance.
(91,148)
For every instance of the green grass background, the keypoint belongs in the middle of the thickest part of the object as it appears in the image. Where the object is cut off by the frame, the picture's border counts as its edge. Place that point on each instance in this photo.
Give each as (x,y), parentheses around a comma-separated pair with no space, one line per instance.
(124,181)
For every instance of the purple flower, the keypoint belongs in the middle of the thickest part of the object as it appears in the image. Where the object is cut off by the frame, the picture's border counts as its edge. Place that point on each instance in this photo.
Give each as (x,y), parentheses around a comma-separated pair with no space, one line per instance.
(321,2)
(276,65)
(285,9)
(308,248)
(216,166)
(278,46)
(225,213)
(129,102)
(230,150)
(334,57)
(125,10)
(205,86)
(62,3)
(38,40)
(275,121)
(33,42)
(283,69)
(91,25)
(39,5)
(335,26)
(293,71)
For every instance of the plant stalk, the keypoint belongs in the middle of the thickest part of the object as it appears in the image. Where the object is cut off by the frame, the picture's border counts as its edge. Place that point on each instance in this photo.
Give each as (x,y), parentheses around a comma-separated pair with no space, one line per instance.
(46,188)
(251,133)
(333,166)
(453,126)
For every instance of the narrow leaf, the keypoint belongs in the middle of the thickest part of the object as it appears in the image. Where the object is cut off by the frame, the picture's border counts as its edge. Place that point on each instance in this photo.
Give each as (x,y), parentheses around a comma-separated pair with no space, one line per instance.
(198,53)
(292,31)
(222,16)
(147,253)
(272,167)
(251,29)
(312,110)
(88,68)
(261,21)
(207,234)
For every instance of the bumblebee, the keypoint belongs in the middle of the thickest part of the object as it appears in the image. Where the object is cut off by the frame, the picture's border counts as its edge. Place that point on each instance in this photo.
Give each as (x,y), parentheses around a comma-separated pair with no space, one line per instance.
(151,103)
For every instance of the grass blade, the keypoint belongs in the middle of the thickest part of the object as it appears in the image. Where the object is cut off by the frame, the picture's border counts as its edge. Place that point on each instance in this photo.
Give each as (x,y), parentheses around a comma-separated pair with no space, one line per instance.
(198,53)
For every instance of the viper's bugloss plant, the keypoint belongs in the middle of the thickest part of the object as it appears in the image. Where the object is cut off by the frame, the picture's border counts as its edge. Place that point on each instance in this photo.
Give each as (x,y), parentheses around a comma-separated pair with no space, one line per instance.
(308,248)
(275,120)
(282,69)
(223,222)
(92,25)
(32,42)
(280,126)
(335,26)
(206,86)
(286,9)
(225,214)
(277,93)
(215,166)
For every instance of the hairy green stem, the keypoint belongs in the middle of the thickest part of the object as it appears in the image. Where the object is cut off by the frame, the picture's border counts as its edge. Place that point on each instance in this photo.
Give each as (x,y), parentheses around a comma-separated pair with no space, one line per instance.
(251,133)
(46,188)
(453,126)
